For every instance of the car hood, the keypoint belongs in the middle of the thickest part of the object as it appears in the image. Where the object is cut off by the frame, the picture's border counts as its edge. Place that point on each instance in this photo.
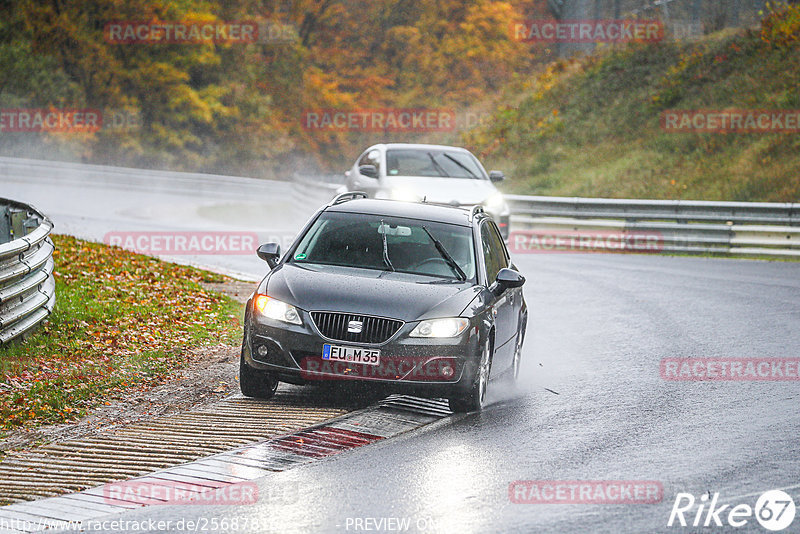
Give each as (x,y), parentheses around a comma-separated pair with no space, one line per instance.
(460,191)
(361,291)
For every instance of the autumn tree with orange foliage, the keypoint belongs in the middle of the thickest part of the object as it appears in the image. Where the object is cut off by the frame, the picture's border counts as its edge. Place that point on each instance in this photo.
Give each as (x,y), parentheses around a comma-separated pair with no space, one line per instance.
(237,108)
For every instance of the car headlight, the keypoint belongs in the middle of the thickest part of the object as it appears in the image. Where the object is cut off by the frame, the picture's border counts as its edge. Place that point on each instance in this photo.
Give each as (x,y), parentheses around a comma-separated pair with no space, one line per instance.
(496,202)
(275,309)
(450,327)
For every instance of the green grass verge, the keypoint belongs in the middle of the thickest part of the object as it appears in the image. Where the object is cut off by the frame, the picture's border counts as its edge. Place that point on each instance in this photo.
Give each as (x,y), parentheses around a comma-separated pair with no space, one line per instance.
(591,126)
(121,320)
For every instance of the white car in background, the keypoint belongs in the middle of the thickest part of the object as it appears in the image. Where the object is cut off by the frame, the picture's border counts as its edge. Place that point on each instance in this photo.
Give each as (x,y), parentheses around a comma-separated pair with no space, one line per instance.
(429,173)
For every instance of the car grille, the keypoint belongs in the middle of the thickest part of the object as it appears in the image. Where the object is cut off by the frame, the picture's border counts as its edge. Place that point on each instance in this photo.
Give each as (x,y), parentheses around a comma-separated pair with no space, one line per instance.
(373,329)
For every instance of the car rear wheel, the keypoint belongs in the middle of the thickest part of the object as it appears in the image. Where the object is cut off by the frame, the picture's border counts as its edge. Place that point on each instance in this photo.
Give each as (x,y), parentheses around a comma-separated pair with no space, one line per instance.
(255,382)
(476,397)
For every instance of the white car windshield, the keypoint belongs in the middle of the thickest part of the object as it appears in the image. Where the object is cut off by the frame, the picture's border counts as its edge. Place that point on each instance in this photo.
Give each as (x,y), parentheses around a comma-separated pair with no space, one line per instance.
(433,163)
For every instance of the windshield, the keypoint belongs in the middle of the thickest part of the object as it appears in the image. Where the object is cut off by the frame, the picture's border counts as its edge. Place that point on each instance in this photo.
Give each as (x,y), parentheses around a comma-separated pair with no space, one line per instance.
(433,163)
(357,240)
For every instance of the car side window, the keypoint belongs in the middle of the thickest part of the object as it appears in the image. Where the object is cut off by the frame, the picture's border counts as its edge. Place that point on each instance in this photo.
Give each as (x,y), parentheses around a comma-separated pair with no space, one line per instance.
(494,256)
(371,157)
(501,246)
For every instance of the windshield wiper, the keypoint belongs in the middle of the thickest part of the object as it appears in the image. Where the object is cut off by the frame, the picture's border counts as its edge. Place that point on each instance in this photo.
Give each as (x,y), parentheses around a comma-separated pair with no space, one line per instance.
(439,168)
(454,160)
(386,259)
(446,255)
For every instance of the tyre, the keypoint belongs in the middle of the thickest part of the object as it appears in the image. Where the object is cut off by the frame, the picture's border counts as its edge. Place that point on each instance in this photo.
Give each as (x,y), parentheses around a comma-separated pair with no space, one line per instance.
(255,382)
(514,374)
(473,401)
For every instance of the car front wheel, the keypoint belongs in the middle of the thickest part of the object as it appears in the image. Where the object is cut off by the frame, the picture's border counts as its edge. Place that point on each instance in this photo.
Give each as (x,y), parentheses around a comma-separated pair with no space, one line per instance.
(474,400)
(255,382)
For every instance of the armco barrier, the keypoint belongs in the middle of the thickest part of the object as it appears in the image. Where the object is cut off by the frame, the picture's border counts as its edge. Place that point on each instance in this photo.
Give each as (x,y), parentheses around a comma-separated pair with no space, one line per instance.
(27,286)
(316,190)
(667,210)
(687,226)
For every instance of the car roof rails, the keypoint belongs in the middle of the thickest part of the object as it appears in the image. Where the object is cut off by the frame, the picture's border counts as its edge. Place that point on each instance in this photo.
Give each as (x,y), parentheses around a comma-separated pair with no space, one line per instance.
(476,210)
(442,204)
(345,197)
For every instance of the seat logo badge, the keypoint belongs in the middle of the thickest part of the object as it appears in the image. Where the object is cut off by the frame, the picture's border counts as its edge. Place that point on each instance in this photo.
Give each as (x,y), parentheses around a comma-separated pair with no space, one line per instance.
(355,327)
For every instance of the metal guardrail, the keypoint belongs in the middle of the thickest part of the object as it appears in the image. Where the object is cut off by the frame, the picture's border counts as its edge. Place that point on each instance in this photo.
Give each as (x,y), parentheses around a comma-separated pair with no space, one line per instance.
(676,210)
(27,286)
(316,190)
(685,226)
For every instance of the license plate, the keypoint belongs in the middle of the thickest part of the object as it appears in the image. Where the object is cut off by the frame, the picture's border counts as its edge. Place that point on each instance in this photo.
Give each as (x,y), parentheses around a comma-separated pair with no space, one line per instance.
(339,353)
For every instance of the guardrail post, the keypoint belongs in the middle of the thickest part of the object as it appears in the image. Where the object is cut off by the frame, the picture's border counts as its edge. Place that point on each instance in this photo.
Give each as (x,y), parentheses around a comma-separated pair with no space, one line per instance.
(5,227)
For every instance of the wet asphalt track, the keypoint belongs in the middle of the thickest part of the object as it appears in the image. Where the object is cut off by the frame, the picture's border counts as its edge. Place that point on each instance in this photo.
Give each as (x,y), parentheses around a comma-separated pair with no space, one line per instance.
(599,326)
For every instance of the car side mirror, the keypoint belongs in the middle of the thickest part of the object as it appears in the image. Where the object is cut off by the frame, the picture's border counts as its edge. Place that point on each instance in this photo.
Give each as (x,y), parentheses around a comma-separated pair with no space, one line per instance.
(506,279)
(270,253)
(496,176)
(368,170)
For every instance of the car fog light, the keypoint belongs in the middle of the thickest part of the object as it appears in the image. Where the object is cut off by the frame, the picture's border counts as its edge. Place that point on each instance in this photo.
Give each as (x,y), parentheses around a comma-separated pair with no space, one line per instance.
(263,350)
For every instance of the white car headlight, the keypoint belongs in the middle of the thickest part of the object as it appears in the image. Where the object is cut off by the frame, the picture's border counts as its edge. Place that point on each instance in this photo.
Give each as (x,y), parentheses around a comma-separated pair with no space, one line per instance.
(275,309)
(450,327)
(404,194)
(495,202)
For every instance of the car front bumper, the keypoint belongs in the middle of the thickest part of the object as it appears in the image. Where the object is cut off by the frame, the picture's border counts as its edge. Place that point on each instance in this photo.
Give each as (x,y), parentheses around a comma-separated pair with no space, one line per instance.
(425,366)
